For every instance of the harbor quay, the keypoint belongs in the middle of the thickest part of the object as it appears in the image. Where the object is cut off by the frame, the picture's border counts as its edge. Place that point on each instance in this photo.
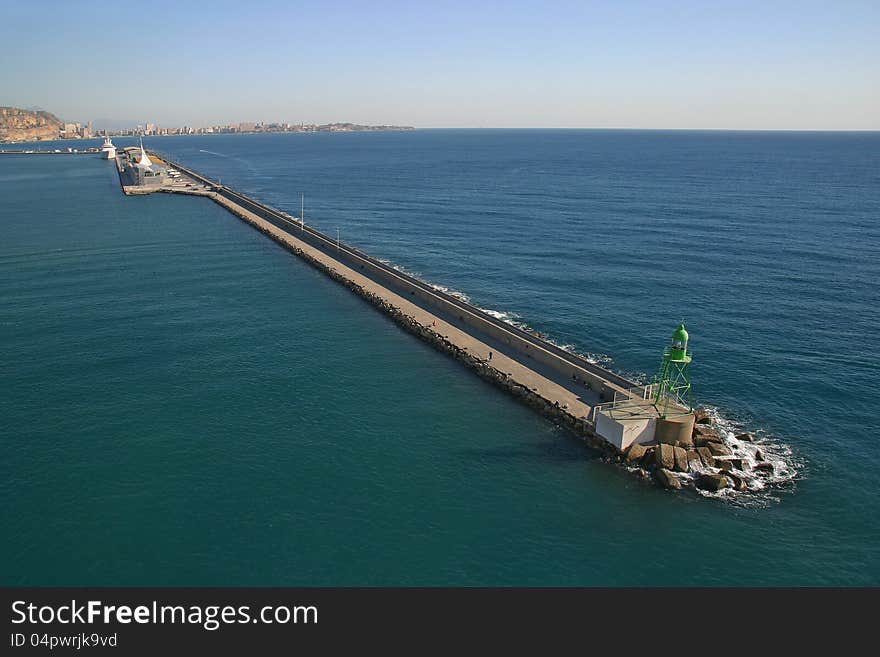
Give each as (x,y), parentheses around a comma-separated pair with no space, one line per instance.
(55,151)
(652,430)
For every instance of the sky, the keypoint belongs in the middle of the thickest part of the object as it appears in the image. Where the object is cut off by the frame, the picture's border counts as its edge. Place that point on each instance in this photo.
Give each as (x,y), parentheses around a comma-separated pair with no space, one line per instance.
(696,64)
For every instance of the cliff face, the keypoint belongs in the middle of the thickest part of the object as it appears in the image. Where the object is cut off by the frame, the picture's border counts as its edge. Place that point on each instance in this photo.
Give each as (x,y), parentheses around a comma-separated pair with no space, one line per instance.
(25,125)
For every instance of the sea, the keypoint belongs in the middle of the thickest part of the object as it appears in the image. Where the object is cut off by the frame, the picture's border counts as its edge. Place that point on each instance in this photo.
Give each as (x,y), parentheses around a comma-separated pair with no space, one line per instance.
(185,403)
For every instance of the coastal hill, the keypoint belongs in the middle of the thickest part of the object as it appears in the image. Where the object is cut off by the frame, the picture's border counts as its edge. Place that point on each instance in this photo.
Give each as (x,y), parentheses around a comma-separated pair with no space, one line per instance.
(26,125)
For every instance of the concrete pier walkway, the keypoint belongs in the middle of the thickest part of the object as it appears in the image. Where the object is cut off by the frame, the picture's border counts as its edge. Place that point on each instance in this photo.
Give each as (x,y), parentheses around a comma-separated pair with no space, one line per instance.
(551,390)
(559,384)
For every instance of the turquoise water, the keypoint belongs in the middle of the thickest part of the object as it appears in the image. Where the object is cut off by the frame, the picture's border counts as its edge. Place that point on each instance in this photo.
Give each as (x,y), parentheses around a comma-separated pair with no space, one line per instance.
(186,403)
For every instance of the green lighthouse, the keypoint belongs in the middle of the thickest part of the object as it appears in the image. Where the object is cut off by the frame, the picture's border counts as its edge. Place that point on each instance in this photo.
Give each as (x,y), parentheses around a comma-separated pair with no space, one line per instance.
(673,381)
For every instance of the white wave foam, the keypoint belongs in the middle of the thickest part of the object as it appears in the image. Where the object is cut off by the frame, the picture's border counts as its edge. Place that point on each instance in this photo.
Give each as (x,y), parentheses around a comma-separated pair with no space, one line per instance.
(453,293)
(513,319)
(402,270)
(768,464)
(509,317)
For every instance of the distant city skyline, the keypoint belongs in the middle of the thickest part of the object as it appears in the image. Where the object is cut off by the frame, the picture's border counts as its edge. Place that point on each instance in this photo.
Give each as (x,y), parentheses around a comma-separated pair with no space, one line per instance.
(676,65)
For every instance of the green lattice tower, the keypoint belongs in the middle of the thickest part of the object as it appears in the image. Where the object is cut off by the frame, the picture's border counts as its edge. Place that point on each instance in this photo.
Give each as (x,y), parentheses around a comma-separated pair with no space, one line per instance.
(673,381)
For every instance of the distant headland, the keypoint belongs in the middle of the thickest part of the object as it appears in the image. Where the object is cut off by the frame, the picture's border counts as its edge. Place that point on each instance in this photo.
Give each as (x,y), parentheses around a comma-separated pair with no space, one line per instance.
(27,125)
(21,125)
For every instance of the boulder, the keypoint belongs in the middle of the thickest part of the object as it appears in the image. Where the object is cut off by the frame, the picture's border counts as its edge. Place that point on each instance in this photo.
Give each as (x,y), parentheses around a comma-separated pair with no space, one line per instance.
(648,459)
(764,466)
(739,464)
(686,441)
(703,441)
(679,454)
(759,455)
(694,460)
(724,465)
(701,416)
(664,456)
(712,482)
(745,437)
(702,430)
(706,457)
(737,482)
(667,479)
(718,449)
(635,453)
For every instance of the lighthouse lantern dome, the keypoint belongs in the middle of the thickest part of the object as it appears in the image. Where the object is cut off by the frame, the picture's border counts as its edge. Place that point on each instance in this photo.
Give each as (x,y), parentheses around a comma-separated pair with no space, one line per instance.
(678,347)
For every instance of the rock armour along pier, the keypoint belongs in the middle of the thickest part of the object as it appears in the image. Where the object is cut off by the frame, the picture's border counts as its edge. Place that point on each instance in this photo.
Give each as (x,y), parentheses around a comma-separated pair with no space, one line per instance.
(560,385)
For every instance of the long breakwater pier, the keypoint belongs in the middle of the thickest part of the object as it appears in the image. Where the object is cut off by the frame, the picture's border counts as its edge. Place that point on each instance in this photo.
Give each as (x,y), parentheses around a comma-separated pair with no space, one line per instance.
(665,441)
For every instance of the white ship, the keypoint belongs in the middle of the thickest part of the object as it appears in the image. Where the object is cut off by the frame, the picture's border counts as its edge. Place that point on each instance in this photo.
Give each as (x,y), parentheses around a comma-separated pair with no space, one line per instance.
(108,150)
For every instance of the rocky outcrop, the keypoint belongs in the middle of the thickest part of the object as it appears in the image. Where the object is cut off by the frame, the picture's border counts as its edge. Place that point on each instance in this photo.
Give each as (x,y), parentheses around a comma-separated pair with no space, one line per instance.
(710,462)
(667,479)
(25,125)
(712,481)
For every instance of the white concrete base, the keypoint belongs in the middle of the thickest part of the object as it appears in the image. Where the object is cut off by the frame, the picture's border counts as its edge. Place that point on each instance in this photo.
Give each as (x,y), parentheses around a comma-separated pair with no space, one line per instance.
(624,432)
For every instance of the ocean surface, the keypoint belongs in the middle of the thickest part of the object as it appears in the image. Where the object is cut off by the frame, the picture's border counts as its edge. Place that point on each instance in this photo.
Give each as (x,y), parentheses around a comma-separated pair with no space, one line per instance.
(186,403)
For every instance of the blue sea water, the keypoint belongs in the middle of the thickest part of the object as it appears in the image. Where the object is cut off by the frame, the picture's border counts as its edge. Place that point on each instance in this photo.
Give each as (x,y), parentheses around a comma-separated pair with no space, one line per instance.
(186,403)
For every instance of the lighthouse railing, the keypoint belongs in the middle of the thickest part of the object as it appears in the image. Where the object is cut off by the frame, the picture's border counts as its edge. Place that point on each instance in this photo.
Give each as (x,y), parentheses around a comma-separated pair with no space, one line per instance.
(640,397)
(635,393)
(635,396)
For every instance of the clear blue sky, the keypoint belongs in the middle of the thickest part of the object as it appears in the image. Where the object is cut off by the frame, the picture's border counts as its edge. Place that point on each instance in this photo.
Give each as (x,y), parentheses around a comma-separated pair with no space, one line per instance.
(693,64)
